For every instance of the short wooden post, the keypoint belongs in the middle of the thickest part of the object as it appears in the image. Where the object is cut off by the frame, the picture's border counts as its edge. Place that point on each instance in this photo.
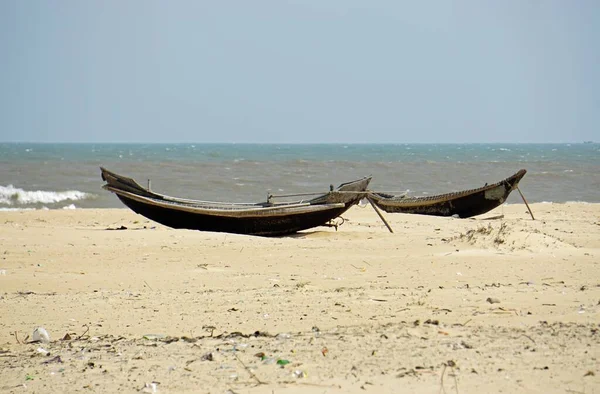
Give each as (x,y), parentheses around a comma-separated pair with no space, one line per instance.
(525,201)
(380,215)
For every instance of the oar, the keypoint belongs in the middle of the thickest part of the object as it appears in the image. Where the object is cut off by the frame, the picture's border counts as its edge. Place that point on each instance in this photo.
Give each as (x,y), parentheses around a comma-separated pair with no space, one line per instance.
(379,213)
(525,201)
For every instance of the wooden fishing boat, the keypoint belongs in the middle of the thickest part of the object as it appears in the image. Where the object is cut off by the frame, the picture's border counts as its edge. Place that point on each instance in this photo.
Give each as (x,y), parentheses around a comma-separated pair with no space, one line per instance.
(267,218)
(463,204)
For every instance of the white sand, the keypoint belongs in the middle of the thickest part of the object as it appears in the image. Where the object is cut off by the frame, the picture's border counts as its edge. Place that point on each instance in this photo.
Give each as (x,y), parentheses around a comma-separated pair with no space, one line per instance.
(364,309)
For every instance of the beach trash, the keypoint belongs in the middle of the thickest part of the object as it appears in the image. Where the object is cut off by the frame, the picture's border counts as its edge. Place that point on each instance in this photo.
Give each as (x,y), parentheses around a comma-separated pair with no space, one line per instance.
(269,360)
(151,387)
(43,351)
(153,337)
(283,336)
(299,373)
(207,357)
(40,335)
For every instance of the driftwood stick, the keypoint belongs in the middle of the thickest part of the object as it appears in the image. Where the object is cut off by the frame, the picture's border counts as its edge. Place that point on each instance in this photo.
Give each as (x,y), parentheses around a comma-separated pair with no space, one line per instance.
(87,329)
(380,215)
(525,201)
(249,370)
(442,388)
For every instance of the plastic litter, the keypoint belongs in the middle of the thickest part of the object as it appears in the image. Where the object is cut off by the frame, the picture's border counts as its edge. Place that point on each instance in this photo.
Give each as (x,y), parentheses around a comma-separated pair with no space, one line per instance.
(153,337)
(283,336)
(43,351)
(40,335)
(300,374)
(150,387)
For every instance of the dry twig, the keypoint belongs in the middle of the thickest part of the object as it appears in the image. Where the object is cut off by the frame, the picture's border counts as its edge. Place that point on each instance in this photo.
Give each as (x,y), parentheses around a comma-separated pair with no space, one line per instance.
(87,329)
(248,370)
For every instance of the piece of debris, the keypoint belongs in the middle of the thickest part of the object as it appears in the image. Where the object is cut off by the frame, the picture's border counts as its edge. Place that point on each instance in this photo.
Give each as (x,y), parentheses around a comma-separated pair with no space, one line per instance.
(40,335)
(117,228)
(56,359)
(151,387)
(207,357)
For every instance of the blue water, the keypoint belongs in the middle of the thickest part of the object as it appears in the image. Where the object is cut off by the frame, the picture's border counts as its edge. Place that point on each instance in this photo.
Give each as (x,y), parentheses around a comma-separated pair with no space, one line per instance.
(67,175)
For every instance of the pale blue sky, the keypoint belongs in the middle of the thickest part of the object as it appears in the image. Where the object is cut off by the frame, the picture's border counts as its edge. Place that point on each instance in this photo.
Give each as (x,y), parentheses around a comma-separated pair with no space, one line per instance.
(299,71)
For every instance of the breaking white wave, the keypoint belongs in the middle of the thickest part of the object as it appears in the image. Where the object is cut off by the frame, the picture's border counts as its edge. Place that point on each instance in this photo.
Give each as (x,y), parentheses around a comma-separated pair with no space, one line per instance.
(10,195)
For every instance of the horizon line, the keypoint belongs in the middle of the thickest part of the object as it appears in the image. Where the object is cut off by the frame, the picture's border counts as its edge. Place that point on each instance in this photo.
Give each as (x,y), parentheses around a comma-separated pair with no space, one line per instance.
(291,143)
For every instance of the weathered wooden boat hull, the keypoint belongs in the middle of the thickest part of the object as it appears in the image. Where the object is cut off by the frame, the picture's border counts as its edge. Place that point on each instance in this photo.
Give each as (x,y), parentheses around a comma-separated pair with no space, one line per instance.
(463,204)
(264,219)
(269,225)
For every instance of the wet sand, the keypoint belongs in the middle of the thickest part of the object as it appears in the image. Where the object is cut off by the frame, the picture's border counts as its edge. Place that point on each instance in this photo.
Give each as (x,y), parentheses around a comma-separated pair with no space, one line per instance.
(456,305)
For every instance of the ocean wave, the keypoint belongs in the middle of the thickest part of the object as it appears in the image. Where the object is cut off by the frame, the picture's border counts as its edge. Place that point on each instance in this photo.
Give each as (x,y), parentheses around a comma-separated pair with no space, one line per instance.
(10,195)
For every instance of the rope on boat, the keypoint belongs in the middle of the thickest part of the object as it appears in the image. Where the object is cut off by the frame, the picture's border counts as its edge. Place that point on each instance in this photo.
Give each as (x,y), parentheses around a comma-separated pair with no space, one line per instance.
(367,194)
(316,193)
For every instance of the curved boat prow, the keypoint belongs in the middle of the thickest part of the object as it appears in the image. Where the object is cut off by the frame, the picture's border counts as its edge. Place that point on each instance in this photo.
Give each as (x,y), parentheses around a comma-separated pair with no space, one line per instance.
(516,178)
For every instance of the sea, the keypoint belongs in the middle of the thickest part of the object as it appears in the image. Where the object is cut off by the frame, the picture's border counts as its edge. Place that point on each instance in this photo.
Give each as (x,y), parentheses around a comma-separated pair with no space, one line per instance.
(67,176)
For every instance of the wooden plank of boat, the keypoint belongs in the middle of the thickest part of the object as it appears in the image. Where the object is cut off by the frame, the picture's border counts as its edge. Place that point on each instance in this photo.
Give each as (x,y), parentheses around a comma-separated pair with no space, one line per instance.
(463,204)
(233,211)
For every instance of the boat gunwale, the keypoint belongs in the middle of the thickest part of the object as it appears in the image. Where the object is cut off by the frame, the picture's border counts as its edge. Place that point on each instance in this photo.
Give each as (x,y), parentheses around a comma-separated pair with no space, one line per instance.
(234,212)
(157,196)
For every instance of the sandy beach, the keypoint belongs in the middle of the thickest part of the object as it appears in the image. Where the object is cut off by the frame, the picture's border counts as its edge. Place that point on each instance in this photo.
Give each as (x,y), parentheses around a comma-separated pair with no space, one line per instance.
(441,305)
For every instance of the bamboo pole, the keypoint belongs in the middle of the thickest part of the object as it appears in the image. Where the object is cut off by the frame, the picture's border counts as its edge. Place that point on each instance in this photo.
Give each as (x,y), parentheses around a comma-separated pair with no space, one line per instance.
(380,215)
(525,201)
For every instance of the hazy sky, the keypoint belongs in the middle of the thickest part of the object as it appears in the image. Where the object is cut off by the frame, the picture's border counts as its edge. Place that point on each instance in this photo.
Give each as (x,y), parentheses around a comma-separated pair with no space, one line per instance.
(299,71)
